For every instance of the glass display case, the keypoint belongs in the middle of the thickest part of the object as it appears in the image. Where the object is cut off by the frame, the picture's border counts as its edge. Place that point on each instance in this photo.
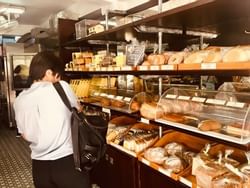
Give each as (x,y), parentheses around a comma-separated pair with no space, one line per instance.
(219,114)
(123,101)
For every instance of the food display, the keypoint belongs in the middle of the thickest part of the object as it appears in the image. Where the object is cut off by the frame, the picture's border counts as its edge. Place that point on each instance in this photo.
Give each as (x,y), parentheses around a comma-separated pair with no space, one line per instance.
(173,153)
(207,112)
(220,165)
(136,138)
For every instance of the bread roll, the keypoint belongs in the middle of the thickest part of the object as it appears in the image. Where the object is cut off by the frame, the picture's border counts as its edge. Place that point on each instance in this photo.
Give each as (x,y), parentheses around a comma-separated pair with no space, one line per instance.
(176,58)
(175,164)
(196,57)
(123,120)
(174,148)
(174,118)
(135,106)
(209,125)
(158,60)
(236,54)
(116,103)
(156,155)
(213,57)
(105,102)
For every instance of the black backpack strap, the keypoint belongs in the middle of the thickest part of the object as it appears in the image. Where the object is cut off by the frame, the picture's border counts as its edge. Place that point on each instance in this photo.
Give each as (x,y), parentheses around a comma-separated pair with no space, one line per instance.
(74,124)
(62,94)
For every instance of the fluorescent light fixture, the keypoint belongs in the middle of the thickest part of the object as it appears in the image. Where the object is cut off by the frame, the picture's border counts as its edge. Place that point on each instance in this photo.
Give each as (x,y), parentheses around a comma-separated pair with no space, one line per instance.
(12,9)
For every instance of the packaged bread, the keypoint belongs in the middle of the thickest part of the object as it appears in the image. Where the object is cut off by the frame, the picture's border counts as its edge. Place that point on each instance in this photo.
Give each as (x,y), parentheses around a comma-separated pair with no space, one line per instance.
(174,164)
(174,148)
(155,154)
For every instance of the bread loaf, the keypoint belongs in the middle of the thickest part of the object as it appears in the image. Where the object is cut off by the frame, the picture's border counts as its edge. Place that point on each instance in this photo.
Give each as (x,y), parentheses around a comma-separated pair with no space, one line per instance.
(196,57)
(135,106)
(236,54)
(105,102)
(116,103)
(123,120)
(151,111)
(177,58)
(156,155)
(209,125)
(174,118)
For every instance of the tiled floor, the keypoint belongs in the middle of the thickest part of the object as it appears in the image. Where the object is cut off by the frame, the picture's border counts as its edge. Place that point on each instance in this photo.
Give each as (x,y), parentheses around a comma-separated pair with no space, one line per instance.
(15,162)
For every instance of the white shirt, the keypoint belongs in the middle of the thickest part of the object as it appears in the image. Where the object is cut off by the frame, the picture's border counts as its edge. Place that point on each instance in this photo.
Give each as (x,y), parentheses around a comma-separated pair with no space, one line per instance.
(44,120)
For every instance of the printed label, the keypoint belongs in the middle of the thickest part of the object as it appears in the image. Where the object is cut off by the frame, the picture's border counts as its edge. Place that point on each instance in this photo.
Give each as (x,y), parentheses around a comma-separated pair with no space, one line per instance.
(208,66)
(198,99)
(127,99)
(119,97)
(235,104)
(106,110)
(184,97)
(170,96)
(143,120)
(216,101)
(167,67)
(154,67)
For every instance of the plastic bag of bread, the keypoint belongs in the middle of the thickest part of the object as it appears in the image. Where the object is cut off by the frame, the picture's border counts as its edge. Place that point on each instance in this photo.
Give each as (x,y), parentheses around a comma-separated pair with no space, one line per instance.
(207,172)
(201,159)
(174,148)
(156,155)
(175,164)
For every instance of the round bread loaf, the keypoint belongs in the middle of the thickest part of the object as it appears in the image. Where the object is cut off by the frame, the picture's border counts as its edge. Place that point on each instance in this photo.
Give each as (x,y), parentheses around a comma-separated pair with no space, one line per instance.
(236,54)
(174,163)
(196,57)
(209,125)
(176,58)
(156,155)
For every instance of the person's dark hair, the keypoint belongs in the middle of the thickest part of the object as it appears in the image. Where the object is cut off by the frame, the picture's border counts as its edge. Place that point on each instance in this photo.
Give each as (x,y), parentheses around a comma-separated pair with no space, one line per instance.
(43,61)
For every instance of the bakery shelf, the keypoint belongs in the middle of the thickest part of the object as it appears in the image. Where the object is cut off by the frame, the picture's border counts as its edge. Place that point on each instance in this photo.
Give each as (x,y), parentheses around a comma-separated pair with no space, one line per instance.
(193,110)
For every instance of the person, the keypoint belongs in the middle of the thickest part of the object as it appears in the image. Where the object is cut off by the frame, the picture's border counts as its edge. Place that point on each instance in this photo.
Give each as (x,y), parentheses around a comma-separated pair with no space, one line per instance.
(44,121)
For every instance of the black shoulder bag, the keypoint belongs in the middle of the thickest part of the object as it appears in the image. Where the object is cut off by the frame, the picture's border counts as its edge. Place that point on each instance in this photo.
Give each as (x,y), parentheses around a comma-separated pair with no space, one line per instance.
(88,134)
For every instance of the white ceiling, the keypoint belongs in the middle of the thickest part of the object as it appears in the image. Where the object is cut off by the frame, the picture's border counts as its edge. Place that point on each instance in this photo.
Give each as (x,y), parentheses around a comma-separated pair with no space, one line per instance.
(38,12)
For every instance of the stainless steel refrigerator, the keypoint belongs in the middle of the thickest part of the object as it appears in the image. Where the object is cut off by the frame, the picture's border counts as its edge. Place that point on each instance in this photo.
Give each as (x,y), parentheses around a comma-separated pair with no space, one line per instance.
(16,76)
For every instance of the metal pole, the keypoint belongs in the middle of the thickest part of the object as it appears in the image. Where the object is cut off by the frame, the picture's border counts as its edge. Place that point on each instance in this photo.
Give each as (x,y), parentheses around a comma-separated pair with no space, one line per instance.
(159,33)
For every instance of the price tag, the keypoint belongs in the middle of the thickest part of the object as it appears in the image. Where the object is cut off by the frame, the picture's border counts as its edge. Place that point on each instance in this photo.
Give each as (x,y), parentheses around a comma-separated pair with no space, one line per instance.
(103,94)
(106,110)
(111,96)
(119,97)
(198,99)
(170,96)
(96,94)
(208,66)
(184,97)
(117,68)
(98,69)
(103,68)
(110,68)
(216,101)
(167,67)
(154,67)
(127,99)
(145,161)
(143,68)
(235,104)
(143,120)
(127,68)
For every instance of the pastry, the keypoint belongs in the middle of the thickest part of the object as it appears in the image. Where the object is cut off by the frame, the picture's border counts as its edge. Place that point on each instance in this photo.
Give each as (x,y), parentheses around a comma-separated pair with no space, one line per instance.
(209,125)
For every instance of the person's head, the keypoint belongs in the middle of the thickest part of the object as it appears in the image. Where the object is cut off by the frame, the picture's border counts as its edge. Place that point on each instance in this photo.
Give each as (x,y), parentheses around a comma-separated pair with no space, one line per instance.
(45,66)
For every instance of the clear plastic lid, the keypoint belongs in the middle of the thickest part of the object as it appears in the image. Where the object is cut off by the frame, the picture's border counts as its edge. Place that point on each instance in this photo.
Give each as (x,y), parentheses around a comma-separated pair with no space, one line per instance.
(219,114)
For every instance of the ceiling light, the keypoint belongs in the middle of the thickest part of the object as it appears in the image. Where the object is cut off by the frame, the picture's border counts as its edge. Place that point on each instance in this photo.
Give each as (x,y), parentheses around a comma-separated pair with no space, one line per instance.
(12,9)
